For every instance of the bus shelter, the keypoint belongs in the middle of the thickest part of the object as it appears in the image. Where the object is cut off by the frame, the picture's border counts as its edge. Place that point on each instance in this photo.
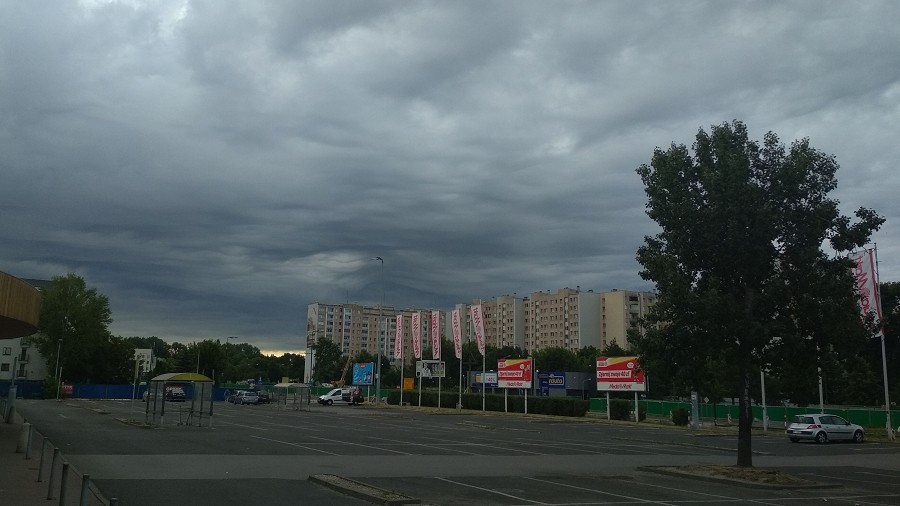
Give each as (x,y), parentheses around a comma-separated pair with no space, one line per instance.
(295,396)
(164,398)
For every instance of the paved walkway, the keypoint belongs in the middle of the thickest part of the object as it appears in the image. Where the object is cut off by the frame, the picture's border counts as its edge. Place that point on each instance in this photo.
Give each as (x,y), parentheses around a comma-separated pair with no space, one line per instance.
(18,475)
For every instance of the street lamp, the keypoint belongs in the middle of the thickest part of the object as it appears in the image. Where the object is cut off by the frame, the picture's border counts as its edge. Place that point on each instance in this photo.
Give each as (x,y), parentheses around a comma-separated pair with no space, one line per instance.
(56,371)
(378,337)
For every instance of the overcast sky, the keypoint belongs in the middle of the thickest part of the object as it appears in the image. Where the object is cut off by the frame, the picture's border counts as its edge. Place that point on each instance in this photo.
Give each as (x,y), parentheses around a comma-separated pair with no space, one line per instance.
(215,166)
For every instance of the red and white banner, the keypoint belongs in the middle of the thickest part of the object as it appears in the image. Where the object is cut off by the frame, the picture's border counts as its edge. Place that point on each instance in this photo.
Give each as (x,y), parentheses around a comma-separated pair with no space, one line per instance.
(398,338)
(436,335)
(417,334)
(457,334)
(866,284)
(478,323)
(620,374)
(514,373)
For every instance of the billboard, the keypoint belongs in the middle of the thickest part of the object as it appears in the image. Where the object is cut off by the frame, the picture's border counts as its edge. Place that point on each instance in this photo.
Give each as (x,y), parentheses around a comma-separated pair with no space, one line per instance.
(363,373)
(514,373)
(430,369)
(620,374)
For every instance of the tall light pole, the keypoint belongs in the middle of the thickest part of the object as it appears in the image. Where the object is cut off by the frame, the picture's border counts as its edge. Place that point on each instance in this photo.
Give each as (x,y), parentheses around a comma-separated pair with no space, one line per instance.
(378,337)
(56,370)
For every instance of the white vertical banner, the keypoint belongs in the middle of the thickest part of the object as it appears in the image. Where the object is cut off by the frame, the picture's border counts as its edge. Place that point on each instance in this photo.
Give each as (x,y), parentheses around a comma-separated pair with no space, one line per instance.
(457,333)
(478,323)
(867,285)
(417,334)
(398,338)
(436,335)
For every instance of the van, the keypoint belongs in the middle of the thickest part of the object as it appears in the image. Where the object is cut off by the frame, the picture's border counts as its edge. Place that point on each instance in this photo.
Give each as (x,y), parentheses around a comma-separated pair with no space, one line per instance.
(333,395)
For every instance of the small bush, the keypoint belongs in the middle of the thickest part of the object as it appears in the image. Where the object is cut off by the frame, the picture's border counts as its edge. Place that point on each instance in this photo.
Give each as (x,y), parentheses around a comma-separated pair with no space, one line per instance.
(619,409)
(680,416)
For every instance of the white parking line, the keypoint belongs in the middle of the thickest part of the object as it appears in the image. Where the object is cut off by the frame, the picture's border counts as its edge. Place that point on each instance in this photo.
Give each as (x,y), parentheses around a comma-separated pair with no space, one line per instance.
(294,444)
(331,440)
(490,491)
(637,499)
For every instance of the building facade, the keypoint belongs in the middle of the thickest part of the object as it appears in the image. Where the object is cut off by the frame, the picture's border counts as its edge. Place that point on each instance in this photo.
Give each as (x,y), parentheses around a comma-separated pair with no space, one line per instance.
(622,311)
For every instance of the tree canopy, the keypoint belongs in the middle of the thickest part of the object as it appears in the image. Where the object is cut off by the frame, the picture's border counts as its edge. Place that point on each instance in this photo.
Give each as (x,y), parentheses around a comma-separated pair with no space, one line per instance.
(743,280)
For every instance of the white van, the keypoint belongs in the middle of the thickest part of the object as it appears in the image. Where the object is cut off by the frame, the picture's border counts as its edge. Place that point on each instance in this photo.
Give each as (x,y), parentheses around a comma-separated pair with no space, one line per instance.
(333,395)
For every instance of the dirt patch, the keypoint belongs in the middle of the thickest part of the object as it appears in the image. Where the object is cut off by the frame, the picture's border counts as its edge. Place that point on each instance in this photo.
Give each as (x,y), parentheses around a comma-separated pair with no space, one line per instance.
(747,476)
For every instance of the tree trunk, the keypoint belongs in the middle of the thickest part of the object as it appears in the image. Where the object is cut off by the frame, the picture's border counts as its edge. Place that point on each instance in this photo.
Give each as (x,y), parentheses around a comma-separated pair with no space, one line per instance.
(745,420)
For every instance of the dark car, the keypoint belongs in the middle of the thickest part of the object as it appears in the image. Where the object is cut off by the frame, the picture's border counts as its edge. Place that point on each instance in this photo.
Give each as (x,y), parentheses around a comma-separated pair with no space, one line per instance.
(264,397)
(353,396)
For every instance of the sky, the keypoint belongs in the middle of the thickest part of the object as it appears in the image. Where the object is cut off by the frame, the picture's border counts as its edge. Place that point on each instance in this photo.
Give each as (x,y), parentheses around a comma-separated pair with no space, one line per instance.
(213,167)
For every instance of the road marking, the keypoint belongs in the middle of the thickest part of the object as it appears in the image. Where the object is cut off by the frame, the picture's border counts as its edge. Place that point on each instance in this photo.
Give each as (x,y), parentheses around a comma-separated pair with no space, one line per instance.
(638,499)
(490,491)
(332,440)
(439,447)
(295,444)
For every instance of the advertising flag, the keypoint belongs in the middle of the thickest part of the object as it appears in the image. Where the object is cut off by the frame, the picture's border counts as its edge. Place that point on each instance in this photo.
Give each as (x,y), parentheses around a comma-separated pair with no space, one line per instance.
(436,335)
(866,284)
(417,334)
(457,334)
(398,339)
(478,322)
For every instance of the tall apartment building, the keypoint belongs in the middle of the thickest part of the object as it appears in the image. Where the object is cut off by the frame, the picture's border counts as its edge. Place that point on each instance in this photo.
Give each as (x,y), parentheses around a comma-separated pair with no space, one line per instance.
(356,328)
(622,310)
(504,321)
(566,318)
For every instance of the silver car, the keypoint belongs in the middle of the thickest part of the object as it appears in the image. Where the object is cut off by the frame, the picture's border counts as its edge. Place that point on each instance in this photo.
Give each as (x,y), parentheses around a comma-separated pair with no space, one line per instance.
(821,428)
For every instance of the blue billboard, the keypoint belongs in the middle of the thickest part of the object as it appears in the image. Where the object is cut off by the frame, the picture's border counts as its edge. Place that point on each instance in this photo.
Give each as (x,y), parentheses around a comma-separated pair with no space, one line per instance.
(364,374)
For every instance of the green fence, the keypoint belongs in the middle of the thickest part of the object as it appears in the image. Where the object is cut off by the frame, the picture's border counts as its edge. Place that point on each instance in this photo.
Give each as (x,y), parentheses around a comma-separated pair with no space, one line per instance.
(778,415)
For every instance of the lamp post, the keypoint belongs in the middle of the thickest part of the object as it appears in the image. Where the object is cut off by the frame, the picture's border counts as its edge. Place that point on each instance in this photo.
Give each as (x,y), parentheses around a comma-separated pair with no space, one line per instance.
(378,337)
(225,367)
(56,370)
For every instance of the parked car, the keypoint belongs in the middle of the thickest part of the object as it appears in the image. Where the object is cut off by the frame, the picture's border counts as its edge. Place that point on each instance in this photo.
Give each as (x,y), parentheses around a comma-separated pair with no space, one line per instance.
(246,397)
(333,395)
(264,397)
(352,395)
(821,428)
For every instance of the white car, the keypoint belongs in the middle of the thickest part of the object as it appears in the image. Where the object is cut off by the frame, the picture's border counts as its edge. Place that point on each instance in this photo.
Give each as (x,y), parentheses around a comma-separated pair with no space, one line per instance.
(821,428)
(333,395)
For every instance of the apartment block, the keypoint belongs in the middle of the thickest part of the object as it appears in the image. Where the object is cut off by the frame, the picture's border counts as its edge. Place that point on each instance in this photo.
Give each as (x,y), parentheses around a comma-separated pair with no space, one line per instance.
(357,328)
(622,310)
(568,318)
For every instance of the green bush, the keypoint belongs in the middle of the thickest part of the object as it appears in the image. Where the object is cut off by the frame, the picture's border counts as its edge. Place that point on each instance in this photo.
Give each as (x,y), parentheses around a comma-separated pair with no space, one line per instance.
(680,416)
(620,409)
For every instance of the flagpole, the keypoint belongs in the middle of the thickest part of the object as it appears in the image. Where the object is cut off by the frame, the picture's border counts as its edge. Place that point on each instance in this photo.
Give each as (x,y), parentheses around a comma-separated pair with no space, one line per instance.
(887,397)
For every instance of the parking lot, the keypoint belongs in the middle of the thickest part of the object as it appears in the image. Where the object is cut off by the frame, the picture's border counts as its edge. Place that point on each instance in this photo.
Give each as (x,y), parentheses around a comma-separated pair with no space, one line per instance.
(265,454)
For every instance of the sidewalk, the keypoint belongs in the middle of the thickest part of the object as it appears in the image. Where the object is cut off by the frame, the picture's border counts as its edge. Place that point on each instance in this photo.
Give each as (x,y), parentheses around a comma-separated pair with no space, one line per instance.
(18,476)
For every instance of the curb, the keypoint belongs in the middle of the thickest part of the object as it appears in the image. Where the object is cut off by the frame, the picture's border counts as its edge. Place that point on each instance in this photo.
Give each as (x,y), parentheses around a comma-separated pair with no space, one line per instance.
(674,471)
(361,490)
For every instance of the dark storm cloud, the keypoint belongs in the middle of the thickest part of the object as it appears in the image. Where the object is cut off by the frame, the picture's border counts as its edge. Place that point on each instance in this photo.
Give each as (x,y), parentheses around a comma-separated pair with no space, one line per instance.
(213,167)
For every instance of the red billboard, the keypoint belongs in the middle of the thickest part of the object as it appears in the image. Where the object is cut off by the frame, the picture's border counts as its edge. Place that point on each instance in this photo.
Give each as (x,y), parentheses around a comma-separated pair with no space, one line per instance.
(620,374)
(514,373)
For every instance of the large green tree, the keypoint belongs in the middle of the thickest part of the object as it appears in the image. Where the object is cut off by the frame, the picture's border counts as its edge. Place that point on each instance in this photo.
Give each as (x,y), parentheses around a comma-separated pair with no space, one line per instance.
(739,266)
(329,363)
(75,323)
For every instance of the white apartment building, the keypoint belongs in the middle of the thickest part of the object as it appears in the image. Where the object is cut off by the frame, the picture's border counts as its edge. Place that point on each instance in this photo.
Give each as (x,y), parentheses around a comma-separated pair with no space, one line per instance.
(20,359)
(566,318)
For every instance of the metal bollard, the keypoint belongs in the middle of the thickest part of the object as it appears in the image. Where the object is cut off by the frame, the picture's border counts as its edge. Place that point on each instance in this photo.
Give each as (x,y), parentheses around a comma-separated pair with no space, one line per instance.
(62,484)
(41,465)
(85,487)
(23,437)
(52,473)
(28,445)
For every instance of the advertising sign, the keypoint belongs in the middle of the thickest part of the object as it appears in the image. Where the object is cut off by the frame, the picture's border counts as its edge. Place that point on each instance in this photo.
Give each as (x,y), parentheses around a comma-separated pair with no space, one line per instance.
(417,334)
(363,374)
(430,369)
(514,373)
(488,379)
(457,333)
(620,374)
(436,335)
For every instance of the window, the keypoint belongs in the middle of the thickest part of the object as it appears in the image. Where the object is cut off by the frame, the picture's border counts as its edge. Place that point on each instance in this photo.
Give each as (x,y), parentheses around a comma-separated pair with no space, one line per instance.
(7,350)
(4,367)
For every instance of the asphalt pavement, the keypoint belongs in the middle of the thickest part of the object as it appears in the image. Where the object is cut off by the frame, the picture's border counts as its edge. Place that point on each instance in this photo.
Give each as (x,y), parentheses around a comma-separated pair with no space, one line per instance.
(19,475)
